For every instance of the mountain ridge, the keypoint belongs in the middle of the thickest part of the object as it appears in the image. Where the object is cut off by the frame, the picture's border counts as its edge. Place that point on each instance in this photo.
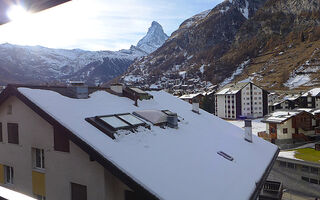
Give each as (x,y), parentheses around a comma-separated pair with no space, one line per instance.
(273,43)
(37,64)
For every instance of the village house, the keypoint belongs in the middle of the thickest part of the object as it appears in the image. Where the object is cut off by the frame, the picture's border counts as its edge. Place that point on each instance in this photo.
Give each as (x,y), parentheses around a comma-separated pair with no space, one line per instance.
(241,100)
(299,170)
(104,144)
(288,127)
(288,102)
(192,98)
(310,99)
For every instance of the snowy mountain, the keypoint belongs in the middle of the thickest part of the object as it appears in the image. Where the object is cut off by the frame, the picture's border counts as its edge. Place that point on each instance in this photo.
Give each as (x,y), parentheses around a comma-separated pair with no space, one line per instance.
(154,38)
(273,43)
(36,64)
(199,41)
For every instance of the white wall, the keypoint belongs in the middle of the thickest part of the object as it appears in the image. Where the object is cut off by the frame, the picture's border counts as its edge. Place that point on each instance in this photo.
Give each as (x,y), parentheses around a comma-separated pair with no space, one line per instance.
(60,168)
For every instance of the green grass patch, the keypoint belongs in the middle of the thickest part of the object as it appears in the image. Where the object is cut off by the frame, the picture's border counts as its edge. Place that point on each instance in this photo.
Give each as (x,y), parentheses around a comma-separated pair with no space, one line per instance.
(308,154)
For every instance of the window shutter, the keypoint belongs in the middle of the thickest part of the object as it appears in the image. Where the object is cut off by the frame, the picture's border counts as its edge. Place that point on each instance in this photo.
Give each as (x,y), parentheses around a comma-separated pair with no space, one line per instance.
(1,174)
(78,192)
(61,142)
(1,138)
(13,134)
(38,183)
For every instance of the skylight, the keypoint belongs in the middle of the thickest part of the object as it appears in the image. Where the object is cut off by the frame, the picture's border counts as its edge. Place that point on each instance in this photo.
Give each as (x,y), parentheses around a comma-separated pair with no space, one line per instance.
(131,119)
(114,122)
(110,124)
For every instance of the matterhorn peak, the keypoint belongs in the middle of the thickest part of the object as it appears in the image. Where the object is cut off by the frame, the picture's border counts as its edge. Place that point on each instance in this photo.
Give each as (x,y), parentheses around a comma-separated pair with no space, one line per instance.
(154,38)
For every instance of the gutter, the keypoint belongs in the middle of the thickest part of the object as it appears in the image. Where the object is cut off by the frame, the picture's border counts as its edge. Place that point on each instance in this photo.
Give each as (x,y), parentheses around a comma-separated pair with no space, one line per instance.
(264,177)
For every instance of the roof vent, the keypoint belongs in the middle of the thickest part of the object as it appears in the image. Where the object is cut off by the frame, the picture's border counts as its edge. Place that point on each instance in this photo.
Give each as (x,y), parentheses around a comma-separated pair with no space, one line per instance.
(172,119)
(226,156)
(248,130)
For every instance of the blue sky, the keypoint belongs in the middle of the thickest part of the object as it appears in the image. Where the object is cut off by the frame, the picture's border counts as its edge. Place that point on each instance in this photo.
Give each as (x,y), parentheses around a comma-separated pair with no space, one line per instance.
(100,24)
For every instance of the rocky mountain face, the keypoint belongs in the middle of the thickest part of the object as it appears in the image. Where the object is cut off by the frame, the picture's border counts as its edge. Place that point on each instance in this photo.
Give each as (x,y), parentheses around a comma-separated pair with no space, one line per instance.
(27,64)
(198,42)
(154,38)
(274,43)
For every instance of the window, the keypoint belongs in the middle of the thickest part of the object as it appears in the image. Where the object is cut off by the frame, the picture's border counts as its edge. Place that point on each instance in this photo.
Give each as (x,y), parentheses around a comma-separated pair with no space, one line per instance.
(314,181)
(13,135)
(291,165)
(285,131)
(78,192)
(1,139)
(314,170)
(8,175)
(9,110)
(38,158)
(304,168)
(305,178)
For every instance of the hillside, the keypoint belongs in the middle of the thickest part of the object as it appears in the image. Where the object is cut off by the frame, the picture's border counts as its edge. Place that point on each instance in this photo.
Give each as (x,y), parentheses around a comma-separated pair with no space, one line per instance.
(274,43)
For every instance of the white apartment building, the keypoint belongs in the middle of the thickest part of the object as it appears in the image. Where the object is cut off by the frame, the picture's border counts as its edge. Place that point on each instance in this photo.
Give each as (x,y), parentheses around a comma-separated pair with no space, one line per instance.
(245,100)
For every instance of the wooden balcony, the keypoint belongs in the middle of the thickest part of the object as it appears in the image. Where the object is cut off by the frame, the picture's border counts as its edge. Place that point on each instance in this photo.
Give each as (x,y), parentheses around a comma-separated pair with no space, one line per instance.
(267,136)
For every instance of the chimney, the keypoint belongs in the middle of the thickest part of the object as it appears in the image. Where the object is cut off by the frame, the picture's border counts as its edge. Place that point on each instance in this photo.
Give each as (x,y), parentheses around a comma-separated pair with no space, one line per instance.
(79,89)
(172,120)
(248,130)
(195,107)
(117,88)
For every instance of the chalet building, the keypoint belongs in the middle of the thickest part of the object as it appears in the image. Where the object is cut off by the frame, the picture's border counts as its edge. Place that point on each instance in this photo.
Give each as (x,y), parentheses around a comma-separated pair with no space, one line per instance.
(310,99)
(288,102)
(108,145)
(287,127)
(241,100)
(299,170)
(192,98)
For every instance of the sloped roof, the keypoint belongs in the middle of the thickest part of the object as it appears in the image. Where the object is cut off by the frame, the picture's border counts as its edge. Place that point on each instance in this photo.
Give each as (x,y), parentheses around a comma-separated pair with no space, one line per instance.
(313,92)
(190,96)
(282,115)
(169,163)
(12,195)
(232,88)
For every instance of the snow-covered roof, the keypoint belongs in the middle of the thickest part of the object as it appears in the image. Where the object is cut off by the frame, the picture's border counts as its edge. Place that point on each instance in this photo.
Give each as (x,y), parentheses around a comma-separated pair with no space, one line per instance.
(292,97)
(170,163)
(313,92)
(12,195)
(281,116)
(189,96)
(232,88)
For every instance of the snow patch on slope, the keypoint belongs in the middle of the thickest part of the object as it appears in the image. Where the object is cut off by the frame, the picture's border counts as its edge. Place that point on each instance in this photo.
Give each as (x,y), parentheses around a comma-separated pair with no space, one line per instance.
(235,73)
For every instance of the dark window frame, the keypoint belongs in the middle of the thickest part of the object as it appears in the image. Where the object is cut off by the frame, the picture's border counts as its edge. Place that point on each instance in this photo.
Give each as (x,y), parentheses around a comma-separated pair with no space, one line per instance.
(285,130)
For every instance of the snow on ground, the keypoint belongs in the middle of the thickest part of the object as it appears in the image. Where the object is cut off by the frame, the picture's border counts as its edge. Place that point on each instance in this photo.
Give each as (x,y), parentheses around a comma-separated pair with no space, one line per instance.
(257,125)
(235,73)
(170,163)
(297,80)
